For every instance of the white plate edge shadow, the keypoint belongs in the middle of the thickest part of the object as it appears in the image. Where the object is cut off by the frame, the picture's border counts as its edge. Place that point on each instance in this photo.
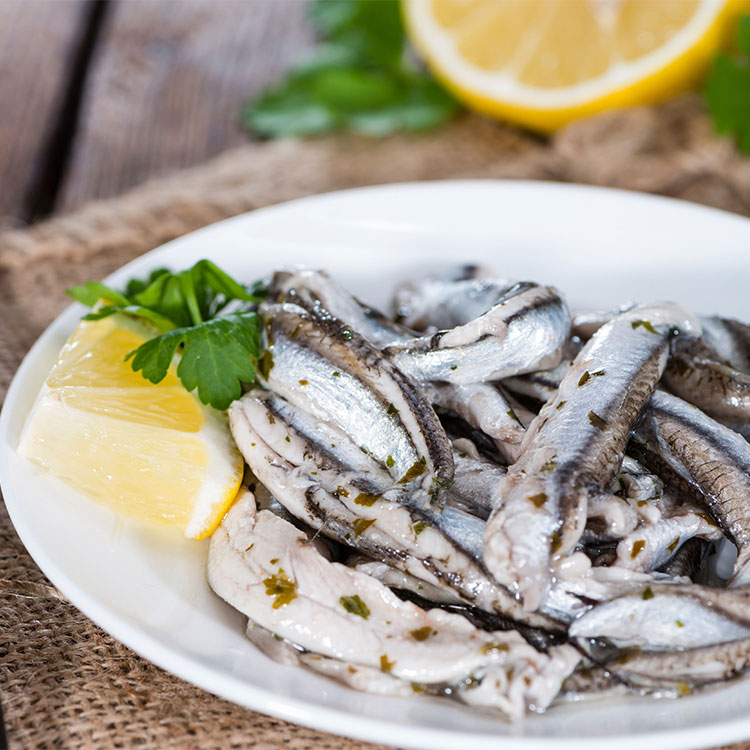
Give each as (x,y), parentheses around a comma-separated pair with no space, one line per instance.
(255,697)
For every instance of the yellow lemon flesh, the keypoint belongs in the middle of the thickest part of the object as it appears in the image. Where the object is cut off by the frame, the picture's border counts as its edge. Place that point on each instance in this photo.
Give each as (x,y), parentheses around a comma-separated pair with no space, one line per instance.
(543,63)
(153,452)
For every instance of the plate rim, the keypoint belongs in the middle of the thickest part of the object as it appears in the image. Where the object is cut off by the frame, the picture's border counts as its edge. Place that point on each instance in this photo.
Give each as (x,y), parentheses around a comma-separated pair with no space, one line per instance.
(292,709)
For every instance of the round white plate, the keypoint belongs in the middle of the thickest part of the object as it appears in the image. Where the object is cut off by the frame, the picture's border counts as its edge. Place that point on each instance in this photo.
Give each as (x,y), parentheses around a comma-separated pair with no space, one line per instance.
(147,588)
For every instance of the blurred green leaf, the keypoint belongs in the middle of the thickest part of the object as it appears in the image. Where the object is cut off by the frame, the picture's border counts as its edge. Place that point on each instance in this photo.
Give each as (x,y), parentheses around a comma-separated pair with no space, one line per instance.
(728,89)
(359,78)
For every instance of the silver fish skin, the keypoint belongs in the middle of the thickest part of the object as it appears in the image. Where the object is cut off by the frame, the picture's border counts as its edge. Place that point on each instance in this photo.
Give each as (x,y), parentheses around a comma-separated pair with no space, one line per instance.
(448,299)
(585,323)
(483,406)
(524,329)
(474,482)
(267,569)
(696,374)
(710,457)
(348,503)
(729,338)
(326,368)
(653,546)
(310,286)
(668,616)
(687,561)
(674,674)
(575,446)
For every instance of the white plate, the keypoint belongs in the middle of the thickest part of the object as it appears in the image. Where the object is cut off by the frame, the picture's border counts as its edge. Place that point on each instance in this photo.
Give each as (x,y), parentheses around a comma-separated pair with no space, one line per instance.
(148,589)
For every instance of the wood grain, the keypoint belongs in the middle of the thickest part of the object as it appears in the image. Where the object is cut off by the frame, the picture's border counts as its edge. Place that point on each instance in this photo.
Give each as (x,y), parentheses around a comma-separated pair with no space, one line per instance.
(166,83)
(38,39)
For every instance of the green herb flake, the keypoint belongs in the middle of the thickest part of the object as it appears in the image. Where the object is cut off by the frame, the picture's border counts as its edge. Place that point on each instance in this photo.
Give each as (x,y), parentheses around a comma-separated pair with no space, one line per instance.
(341,491)
(385,665)
(288,439)
(265,363)
(548,466)
(584,378)
(493,646)
(560,405)
(303,382)
(555,542)
(454,367)
(364,499)
(420,526)
(513,416)
(281,587)
(637,548)
(361,525)
(597,421)
(247,549)
(391,410)
(684,689)
(415,470)
(274,561)
(672,546)
(422,634)
(355,606)
(537,500)
(599,373)
(647,593)
(336,374)
(679,623)
(389,462)
(646,324)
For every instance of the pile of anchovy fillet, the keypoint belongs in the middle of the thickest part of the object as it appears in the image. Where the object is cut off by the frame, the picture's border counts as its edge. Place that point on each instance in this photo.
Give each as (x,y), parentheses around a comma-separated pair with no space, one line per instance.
(486,499)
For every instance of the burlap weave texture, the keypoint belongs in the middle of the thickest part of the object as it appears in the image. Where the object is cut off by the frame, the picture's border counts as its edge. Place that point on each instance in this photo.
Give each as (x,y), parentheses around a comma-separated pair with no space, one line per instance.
(63,681)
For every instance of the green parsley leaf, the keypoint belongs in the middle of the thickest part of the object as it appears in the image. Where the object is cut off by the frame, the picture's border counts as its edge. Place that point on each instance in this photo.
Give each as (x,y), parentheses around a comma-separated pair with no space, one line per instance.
(361,78)
(219,345)
(217,357)
(728,89)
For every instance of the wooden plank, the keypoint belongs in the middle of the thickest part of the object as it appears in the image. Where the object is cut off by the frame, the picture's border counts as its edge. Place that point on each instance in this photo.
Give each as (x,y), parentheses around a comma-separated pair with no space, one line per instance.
(38,41)
(166,83)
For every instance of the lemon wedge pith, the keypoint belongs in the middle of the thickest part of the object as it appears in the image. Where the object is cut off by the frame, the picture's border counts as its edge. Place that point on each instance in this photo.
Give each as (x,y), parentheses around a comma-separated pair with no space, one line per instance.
(544,63)
(153,452)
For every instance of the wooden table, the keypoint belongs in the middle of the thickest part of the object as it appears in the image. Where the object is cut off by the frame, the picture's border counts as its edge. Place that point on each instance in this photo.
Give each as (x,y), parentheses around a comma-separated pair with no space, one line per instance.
(99,95)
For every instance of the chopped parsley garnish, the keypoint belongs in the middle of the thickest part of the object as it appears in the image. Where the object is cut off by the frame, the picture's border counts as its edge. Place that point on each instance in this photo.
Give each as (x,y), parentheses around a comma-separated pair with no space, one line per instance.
(355,606)
(280,587)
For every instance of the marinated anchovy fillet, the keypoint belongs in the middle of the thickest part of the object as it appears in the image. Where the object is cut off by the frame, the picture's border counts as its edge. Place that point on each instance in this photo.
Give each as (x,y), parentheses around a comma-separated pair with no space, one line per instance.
(474,483)
(326,368)
(712,458)
(688,559)
(446,300)
(678,673)
(310,286)
(267,569)
(346,499)
(730,339)
(483,406)
(575,446)
(666,616)
(695,374)
(499,330)
(654,545)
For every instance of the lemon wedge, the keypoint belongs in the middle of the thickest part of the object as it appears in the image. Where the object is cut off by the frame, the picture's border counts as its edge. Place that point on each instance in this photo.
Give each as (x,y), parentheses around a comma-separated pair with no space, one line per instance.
(543,63)
(153,452)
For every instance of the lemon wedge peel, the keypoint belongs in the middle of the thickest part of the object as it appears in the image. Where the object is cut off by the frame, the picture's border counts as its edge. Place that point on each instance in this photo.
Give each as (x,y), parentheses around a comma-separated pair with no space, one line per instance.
(671,68)
(153,452)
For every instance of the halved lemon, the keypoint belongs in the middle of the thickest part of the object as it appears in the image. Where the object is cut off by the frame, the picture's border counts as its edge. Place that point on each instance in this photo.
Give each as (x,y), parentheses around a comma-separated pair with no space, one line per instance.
(543,63)
(153,452)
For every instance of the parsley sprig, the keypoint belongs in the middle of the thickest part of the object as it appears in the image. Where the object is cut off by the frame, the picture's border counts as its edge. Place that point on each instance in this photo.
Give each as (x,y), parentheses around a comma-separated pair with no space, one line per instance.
(201,312)
(361,77)
(728,89)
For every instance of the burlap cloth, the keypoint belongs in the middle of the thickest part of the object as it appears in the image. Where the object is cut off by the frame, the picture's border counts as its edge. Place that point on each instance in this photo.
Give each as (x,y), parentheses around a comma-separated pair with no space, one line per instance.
(66,683)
